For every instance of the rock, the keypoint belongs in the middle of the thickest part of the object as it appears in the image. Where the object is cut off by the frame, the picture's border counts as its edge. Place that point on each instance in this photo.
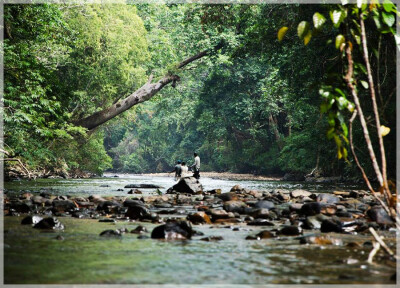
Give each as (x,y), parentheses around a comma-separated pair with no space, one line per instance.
(295,207)
(218,214)
(310,209)
(328,209)
(199,218)
(135,191)
(112,233)
(139,230)
(49,223)
(21,207)
(108,206)
(265,234)
(290,231)
(38,200)
(132,203)
(173,230)
(139,212)
(237,188)
(96,198)
(321,240)
(143,186)
(255,193)
(264,204)
(379,215)
(212,238)
(283,197)
(108,220)
(143,237)
(59,237)
(258,213)
(215,191)
(227,221)
(85,204)
(120,189)
(228,196)
(314,222)
(188,185)
(300,193)
(62,206)
(327,198)
(26,196)
(331,225)
(234,206)
(105,185)
(260,222)
(31,220)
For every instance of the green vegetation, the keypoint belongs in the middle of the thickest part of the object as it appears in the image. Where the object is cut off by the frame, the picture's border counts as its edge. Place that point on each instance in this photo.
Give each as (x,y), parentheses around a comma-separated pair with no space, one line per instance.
(253,103)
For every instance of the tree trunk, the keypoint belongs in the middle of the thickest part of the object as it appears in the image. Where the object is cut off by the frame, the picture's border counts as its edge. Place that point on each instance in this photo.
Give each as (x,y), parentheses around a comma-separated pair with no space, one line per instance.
(143,94)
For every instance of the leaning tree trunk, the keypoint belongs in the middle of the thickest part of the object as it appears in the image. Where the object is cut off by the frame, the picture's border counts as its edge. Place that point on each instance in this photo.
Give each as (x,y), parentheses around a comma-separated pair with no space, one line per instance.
(143,94)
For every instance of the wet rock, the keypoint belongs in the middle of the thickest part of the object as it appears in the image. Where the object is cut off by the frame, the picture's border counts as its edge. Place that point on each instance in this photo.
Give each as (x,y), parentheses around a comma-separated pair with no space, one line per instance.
(290,231)
(260,222)
(135,191)
(215,191)
(255,193)
(85,204)
(38,200)
(328,198)
(310,209)
(237,188)
(331,225)
(174,230)
(218,214)
(139,212)
(234,206)
(31,220)
(45,194)
(111,233)
(283,197)
(189,185)
(21,207)
(26,196)
(143,186)
(328,209)
(212,238)
(295,207)
(264,204)
(314,222)
(120,190)
(300,193)
(199,218)
(96,198)
(258,213)
(49,223)
(228,196)
(321,240)
(265,234)
(139,230)
(379,215)
(108,206)
(293,177)
(105,185)
(227,221)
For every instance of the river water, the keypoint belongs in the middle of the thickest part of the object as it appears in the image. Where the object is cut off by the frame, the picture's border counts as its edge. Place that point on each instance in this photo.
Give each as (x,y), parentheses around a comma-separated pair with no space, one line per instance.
(83,257)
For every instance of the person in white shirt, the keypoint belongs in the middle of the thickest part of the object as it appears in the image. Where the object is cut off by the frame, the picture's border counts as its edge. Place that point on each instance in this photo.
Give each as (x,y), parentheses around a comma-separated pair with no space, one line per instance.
(184,169)
(196,166)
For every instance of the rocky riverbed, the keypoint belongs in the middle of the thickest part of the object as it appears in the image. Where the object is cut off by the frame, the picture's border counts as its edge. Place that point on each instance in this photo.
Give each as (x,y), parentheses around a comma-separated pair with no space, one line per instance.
(187,212)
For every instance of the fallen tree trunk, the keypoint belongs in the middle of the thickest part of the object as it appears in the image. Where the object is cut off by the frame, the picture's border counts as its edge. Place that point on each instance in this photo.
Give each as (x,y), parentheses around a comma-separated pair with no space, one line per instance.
(143,94)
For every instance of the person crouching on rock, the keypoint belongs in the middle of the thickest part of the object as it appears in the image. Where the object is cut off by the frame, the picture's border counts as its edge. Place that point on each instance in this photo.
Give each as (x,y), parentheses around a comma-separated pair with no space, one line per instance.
(196,166)
(185,170)
(177,170)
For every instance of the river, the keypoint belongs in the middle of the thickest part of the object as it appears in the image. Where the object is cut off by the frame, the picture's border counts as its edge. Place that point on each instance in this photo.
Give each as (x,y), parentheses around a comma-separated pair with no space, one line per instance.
(83,257)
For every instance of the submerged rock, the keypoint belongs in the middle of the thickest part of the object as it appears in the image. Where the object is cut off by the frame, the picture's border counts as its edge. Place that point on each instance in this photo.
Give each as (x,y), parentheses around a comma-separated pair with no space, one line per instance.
(49,223)
(212,238)
(111,233)
(174,230)
(139,230)
(143,186)
(31,220)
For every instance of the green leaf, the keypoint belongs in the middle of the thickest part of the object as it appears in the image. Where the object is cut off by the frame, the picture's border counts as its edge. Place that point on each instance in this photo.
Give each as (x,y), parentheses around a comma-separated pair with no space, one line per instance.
(307,38)
(330,133)
(388,19)
(388,6)
(337,17)
(339,41)
(302,29)
(364,84)
(282,33)
(318,20)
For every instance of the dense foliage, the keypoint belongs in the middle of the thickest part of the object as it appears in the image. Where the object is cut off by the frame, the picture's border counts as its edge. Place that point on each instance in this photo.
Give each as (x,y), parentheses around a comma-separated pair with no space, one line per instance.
(251,106)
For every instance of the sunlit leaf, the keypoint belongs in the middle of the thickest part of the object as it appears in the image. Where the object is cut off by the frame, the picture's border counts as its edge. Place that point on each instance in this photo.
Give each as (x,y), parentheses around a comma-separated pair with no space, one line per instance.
(337,17)
(388,6)
(302,29)
(384,130)
(388,19)
(364,84)
(318,20)
(339,41)
(307,38)
(282,33)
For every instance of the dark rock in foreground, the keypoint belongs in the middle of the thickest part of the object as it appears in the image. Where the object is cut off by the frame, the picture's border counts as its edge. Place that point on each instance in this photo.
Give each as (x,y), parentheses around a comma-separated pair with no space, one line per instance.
(188,185)
(31,220)
(174,230)
(49,223)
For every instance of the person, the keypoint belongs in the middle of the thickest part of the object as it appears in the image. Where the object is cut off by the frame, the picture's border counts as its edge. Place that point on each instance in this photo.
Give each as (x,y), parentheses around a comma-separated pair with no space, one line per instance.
(196,166)
(177,170)
(184,169)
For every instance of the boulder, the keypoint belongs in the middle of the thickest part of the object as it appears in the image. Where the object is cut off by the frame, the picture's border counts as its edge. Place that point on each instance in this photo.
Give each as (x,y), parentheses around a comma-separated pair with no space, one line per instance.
(143,186)
(218,214)
(173,230)
(63,206)
(379,215)
(310,209)
(264,204)
(290,231)
(31,220)
(265,235)
(328,198)
(108,206)
(234,206)
(139,230)
(199,218)
(228,196)
(331,225)
(300,193)
(138,212)
(21,206)
(189,185)
(314,222)
(49,223)
(96,198)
